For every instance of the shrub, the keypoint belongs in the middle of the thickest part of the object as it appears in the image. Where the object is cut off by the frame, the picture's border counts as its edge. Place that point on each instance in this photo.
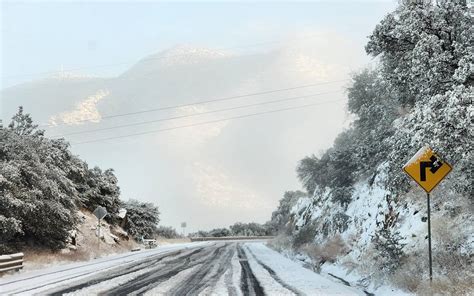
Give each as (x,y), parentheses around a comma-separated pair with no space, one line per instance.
(342,195)
(9,229)
(326,252)
(281,243)
(305,235)
(410,273)
(219,232)
(389,253)
(249,229)
(166,232)
(340,222)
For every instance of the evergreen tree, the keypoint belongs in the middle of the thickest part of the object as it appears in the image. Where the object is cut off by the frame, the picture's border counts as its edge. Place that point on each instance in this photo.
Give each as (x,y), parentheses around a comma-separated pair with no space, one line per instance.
(142,219)
(281,216)
(425,48)
(389,250)
(36,195)
(22,124)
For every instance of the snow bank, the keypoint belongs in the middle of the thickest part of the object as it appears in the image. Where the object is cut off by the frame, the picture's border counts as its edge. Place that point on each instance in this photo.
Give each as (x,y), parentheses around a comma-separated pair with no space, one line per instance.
(291,272)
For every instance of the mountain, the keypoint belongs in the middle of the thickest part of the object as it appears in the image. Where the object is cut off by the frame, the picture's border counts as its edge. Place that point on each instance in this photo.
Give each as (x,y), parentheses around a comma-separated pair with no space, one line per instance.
(219,170)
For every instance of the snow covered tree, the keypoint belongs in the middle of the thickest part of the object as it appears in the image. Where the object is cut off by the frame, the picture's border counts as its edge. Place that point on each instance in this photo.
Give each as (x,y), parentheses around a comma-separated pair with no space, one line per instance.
(375,111)
(427,60)
(335,168)
(248,229)
(219,232)
(281,216)
(425,48)
(22,124)
(446,123)
(166,232)
(389,249)
(100,188)
(35,192)
(342,165)
(311,172)
(42,186)
(142,218)
(341,195)
(10,228)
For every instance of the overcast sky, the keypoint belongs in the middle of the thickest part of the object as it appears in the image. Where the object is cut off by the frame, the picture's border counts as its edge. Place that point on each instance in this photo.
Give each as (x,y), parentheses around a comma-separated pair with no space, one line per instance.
(321,41)
(43,36)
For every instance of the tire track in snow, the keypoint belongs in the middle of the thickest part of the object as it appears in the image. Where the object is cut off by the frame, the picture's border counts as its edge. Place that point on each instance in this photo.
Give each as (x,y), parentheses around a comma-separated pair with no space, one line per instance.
(118,271)
(248,282)
(71,268)
(84,269)
(208,274)
(273,274)
(231,289)
(154,277)
(165,287)
(68,277)
(221,267)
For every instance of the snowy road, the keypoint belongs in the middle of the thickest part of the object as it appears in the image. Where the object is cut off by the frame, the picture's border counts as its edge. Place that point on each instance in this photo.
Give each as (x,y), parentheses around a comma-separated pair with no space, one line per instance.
(206,268)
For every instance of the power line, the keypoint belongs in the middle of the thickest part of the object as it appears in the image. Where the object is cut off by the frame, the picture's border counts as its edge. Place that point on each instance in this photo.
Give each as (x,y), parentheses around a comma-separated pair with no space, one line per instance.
(204,122)
(195,114)
(203,102)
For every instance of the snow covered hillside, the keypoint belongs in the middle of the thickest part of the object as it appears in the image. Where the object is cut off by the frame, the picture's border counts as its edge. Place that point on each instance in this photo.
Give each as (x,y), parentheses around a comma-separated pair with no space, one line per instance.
(371,209)
(362,213)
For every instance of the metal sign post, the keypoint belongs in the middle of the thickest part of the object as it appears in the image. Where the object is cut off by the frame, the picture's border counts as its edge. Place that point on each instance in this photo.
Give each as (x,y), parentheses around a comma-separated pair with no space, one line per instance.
(98,234)
(429,236)
(99,212)
(427,169)
(183,226)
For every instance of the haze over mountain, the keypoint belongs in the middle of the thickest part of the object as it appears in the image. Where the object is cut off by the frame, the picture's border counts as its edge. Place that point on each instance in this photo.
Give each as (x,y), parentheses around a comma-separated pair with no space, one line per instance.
(227,171)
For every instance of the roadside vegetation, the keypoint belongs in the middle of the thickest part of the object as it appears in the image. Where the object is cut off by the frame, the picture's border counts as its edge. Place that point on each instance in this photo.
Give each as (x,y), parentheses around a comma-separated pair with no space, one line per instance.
(360,210)
(237,229)
(44,188)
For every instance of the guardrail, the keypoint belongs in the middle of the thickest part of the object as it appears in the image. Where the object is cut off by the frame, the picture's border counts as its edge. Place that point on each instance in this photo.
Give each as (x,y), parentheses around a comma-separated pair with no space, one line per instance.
(200,239)
(11,262)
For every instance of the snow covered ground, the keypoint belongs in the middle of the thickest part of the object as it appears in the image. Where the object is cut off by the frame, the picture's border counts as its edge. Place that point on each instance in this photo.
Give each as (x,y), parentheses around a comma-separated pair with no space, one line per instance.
(204,268)
(292,275)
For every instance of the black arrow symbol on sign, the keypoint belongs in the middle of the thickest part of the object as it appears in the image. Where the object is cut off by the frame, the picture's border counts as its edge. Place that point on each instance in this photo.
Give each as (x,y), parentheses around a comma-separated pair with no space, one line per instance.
(434,164)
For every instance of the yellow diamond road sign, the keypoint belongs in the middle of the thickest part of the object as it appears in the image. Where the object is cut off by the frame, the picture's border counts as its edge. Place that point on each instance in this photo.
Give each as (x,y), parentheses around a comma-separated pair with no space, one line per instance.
(427,168)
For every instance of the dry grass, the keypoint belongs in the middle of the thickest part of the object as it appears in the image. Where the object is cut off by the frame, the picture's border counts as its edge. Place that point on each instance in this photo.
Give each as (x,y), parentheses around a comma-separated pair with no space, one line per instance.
(327,252)
(410,274)
(87,245)
(452,275)
(37,258)
(86,249)
(447,286)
